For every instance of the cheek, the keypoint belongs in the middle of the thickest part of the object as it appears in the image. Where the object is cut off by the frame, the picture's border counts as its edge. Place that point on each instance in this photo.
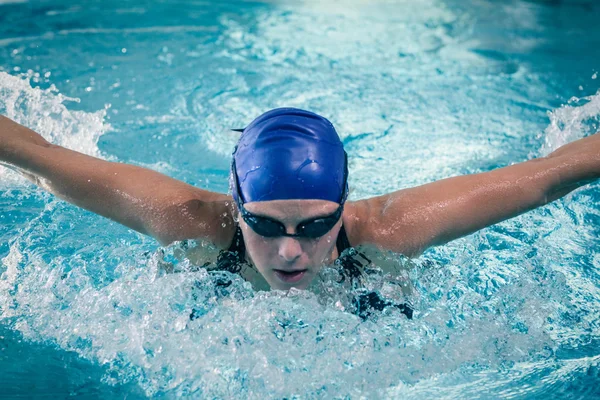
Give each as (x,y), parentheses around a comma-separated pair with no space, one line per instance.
(260,249)
(321,250)
(257,244)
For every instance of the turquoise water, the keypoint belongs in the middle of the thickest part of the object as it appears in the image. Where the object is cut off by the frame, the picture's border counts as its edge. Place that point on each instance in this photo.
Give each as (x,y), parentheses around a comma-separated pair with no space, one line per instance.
(418,91)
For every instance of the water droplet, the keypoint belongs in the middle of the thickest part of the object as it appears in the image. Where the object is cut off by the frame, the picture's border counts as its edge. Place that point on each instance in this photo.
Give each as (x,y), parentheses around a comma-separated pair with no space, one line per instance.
(580,87)
(595,75)
(223,224)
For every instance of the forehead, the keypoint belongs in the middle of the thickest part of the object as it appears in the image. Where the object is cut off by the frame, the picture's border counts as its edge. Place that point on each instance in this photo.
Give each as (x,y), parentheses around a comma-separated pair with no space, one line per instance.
(292,210)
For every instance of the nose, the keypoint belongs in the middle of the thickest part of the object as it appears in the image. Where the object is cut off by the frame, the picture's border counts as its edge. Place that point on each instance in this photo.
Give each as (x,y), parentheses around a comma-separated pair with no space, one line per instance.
(290,249)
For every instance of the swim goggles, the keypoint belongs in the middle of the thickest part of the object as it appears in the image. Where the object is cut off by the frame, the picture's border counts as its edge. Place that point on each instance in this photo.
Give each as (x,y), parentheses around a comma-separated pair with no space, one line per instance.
(312,228)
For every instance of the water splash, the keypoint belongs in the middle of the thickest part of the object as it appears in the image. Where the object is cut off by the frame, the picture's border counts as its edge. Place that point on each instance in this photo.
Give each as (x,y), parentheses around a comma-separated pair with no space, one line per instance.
(488,307)
(45,111)
(579,118)
(242,342)
(511,302)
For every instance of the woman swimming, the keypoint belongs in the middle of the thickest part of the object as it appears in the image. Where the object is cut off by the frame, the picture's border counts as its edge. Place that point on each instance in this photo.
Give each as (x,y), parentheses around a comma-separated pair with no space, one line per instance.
(289,189)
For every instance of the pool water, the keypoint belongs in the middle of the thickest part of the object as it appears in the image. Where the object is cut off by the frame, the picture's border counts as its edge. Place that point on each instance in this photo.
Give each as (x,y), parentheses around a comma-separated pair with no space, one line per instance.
(418,90)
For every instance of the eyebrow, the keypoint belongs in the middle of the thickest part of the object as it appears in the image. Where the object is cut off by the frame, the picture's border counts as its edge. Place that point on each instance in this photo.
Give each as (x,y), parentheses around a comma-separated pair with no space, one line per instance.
(308,218)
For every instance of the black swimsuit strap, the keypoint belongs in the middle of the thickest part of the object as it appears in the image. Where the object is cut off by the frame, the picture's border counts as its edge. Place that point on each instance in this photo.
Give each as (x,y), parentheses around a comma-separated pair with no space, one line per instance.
(342,243)
(231,260)
(238,245)
(354,266)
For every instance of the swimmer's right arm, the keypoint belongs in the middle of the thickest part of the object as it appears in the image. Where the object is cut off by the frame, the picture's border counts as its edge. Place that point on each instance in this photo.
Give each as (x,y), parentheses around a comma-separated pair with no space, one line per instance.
(144,200)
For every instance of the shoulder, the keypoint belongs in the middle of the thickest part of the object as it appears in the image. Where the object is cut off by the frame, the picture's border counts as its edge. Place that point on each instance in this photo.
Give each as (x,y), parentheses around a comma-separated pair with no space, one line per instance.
(355,219)
(197,214)
(383,222)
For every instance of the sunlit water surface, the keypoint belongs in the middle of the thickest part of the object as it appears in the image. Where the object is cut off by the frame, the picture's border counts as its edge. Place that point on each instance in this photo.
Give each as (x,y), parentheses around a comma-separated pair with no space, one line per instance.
(418,90)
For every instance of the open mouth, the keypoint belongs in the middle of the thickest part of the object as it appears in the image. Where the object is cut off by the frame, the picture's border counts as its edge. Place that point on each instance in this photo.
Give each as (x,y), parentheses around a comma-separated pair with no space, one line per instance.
(290,276)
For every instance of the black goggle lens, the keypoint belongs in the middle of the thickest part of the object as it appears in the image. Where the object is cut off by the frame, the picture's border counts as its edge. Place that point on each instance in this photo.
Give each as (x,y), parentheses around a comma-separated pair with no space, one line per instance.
(317,227)
(271,228)
(264,226)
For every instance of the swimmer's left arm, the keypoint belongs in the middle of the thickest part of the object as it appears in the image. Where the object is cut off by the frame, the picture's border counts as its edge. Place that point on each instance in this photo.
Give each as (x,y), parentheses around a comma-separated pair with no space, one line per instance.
(411,220)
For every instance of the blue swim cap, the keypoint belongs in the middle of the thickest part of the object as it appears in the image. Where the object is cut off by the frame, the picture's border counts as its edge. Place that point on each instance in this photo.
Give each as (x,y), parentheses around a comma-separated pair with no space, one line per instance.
(289,154)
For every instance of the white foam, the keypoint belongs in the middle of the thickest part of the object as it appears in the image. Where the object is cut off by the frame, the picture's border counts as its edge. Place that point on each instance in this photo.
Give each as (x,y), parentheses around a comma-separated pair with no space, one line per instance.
(46,112)
(479,309)
(579,118)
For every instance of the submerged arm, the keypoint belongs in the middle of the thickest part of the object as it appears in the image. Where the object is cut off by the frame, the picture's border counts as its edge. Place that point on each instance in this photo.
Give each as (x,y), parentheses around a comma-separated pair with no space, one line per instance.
(411,220)
(142,199)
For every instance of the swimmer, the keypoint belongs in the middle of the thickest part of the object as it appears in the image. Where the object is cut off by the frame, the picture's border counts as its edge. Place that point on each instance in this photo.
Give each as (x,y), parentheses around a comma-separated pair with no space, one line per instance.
(288,213)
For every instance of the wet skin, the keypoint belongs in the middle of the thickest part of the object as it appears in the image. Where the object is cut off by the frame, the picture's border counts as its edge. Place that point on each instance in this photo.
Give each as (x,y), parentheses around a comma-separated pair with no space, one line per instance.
(280,260)
(407,221)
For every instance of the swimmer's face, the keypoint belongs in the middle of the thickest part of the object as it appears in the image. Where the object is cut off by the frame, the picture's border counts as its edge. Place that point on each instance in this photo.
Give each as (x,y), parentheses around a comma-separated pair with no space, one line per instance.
(287,262)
